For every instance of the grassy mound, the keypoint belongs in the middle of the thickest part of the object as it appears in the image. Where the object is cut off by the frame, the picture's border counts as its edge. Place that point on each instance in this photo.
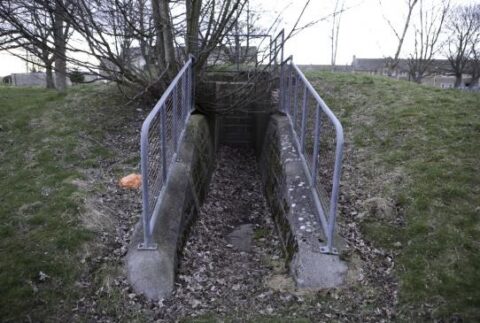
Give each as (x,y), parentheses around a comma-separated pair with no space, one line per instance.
(418,147)
(48,142)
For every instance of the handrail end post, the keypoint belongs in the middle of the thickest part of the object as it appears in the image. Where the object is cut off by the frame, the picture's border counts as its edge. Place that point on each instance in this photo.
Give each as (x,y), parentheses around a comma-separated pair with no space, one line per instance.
(329,250)
(144,246)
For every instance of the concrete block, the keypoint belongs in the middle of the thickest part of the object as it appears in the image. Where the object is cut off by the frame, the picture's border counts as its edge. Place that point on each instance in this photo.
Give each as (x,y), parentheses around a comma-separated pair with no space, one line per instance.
(152,272)
(290,198)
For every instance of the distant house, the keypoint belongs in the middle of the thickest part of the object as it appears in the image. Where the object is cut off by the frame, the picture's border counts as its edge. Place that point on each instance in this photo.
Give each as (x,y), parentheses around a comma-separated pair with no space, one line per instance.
(37,79)
(439,73)
(379,66)
(27,79)
(325,67)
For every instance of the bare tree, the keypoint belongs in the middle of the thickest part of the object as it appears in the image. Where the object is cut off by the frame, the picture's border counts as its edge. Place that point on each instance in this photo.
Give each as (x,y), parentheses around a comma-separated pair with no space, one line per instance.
(193,12)
(475,51)
(463,26)
(238,45)
(400,34)
(37,26)
(335,31)
(427,35)
(475,62)
(157,27)
(60,42)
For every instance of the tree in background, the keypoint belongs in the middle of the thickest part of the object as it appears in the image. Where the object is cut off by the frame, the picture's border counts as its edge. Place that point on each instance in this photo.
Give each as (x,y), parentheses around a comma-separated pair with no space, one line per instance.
(335,31)
(141,43)
(427,35)
(475,50)
(400,34)
(463,28)
(37,27)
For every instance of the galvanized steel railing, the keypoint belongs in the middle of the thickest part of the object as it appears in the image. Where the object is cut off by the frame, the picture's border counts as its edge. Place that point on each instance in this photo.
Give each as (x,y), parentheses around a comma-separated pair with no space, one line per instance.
(276,49)
(161,134)
(319,138)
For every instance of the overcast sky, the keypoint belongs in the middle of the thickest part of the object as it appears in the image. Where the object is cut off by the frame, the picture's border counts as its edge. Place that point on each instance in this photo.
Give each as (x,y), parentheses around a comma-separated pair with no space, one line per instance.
(363,31)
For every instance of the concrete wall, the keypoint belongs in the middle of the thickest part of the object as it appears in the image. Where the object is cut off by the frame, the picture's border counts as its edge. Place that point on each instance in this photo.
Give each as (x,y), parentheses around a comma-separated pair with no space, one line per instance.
(239,107)
(152,272)
(290,199)
(32,79)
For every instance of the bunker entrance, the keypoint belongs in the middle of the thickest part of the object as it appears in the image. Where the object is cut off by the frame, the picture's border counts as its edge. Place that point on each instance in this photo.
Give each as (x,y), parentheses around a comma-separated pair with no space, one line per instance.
(238,189)
(238,107)
(232,254)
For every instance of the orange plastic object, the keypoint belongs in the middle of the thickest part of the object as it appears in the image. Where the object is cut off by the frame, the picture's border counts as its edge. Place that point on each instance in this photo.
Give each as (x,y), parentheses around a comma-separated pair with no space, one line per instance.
(131,181)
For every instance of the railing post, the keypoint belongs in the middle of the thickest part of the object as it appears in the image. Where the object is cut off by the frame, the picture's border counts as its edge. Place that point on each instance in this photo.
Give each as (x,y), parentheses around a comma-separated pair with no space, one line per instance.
(288,99)
(148,243)
(184,97)
(282,42)
(282,76)
(304,117)
(175,116)
(145,211)
(270,55)
(192,73)
(334,198)
(287,86)
(316,146)
(295,94)
(281,93)
(163,134)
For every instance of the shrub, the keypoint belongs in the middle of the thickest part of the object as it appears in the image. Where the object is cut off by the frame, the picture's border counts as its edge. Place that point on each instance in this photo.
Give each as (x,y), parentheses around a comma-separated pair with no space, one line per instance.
(77,77)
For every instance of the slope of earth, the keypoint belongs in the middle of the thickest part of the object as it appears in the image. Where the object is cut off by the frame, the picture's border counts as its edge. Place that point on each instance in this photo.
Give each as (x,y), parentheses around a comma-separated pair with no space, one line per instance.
(412,173)
(60,155)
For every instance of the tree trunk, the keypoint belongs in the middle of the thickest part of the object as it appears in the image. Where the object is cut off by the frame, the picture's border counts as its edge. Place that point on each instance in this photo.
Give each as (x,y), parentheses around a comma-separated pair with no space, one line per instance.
(401,38)
(60,49)
(49,76)
(458,80)
(167,34)
(159,50)
(193,17)
(164,42)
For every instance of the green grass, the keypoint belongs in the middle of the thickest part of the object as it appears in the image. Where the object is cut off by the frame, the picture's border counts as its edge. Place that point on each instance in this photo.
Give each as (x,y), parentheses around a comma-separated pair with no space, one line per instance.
(47,140)
(420,147)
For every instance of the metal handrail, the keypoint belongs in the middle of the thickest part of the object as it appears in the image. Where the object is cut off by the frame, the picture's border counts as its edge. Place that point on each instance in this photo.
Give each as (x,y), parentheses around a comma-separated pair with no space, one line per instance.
(173,111)
(276,47)
(311,169)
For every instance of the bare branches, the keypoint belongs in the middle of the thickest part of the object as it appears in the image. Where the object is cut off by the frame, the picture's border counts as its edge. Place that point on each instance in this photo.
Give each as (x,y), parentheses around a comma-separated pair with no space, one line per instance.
(427,35)
(336,19)
(34,27)
(463,25)
(400,33)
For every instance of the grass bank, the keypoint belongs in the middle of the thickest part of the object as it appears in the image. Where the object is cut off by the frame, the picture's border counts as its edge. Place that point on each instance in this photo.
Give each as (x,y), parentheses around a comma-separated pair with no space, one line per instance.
(48,142)
(418,147)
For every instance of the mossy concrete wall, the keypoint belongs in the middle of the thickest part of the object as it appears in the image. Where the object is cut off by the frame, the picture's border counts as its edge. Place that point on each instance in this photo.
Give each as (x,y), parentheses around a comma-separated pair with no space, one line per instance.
(238,107)
(152,272)
(289,197)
